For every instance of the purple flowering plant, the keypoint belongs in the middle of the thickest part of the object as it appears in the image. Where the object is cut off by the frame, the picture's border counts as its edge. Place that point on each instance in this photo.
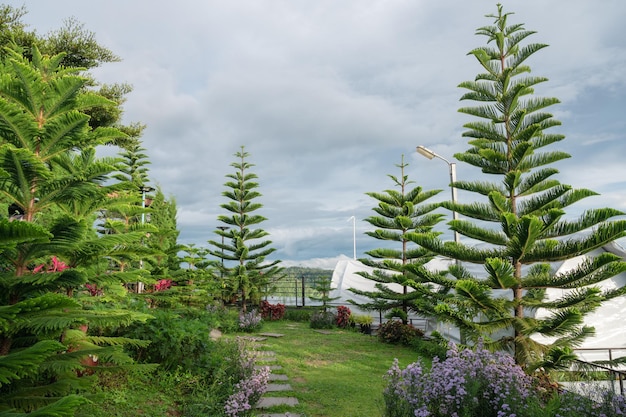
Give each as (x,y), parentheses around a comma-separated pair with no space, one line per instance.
(467,383)
(252,385)
(250,321)
(478,383)
(247,393)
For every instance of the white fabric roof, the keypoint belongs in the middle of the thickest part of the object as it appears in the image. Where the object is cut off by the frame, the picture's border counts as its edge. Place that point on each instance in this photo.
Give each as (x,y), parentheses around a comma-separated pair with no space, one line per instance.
(609,319)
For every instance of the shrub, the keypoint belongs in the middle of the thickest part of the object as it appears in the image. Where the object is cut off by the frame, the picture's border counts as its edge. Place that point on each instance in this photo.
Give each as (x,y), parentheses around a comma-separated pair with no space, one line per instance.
(435,346)
(468,383)
(478,383)
(176,341)
(272,311)
(299,314)
(247,393)
(250,321)
(343,317)
(322,320)
(397,313)
(396,332)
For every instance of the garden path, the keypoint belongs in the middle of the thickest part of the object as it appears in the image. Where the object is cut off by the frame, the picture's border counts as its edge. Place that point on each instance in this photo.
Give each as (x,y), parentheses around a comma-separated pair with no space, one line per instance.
(278,380)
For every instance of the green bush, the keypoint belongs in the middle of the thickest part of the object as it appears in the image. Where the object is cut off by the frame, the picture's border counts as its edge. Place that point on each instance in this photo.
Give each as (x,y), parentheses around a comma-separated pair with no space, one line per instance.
(176,341)
(322,320)
(299,314)
(396,332)
(429,348)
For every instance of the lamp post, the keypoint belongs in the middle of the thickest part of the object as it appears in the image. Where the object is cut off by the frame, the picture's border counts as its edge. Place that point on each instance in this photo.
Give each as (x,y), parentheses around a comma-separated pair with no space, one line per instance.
(144,189)
(452,167)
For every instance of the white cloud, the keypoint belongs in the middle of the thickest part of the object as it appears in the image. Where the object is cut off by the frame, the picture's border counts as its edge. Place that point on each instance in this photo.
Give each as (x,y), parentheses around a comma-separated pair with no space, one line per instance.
(326,96)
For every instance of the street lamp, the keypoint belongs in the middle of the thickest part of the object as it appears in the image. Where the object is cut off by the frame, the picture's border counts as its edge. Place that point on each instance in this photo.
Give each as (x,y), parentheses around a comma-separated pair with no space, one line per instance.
(144,189)
(452,166)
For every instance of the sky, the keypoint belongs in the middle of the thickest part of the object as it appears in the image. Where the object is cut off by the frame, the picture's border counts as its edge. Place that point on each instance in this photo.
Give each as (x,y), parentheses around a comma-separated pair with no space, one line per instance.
(328,96)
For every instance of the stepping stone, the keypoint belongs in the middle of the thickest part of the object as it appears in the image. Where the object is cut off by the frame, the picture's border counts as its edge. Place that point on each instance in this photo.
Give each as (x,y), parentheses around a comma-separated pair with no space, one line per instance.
(265,353)
(254,338)
(280,415)
(278,387)
(272,367)
(266,359)
(267,402)
(272,334)
(324,331)
(278,377)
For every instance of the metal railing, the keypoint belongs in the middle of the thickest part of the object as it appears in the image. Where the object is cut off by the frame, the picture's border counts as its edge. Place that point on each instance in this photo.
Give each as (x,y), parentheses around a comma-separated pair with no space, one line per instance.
(603,362)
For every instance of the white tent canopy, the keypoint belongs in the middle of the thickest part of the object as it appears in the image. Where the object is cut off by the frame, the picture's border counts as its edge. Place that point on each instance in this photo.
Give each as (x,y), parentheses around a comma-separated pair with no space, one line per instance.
(609,319)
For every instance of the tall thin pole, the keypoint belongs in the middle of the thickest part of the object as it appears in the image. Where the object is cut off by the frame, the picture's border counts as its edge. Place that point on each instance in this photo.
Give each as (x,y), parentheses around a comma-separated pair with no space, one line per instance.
(455,215)
(353,236)
(452,166)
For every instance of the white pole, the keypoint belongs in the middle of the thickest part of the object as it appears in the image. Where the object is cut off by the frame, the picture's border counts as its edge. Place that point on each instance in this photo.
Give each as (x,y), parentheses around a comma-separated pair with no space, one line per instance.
(353,235)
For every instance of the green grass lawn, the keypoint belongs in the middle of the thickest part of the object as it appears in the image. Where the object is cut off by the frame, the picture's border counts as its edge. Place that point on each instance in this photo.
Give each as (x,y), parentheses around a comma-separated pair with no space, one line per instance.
(333,375)
(336,374)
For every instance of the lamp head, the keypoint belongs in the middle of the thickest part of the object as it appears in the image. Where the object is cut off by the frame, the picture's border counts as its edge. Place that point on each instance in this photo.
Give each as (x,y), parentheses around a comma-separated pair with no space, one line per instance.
(425,152)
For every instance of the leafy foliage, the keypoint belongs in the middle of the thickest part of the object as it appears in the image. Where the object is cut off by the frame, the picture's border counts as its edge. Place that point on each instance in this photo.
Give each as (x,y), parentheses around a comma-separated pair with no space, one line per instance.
(398,213)
(397,332)
(522,220)
(248,275)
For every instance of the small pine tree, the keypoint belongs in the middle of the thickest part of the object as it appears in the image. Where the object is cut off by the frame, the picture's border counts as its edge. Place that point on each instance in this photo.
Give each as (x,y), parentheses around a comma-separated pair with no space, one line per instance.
(246,274)
(523,218)
(323,288)
(399,211)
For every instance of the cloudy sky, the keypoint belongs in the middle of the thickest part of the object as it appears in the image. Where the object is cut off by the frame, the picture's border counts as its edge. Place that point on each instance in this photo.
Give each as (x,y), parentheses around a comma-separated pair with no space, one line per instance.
(327,96)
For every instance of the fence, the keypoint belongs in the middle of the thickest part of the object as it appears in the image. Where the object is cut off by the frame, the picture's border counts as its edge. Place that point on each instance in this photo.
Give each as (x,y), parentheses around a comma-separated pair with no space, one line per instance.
(296,288)
(595,364)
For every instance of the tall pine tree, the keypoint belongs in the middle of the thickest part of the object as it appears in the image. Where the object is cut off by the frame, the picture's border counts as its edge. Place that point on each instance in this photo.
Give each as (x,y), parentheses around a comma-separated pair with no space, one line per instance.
(520,215)
(245,273)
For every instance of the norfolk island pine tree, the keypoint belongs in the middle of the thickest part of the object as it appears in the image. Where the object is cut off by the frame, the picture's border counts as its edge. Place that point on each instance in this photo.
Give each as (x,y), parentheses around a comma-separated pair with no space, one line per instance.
(400,211)
(42,341)
(246,275)
(522,219)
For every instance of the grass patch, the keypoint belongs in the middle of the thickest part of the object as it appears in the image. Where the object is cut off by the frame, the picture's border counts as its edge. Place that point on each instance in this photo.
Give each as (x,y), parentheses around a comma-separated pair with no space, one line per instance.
(336,374)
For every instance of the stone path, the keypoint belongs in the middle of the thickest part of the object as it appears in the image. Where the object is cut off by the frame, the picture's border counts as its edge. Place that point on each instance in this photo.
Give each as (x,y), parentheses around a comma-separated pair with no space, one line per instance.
(278,382)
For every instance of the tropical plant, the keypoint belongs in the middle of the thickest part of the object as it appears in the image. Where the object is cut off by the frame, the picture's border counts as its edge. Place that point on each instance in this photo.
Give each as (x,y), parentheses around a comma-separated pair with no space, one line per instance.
(49,340)
(399,212)
(522,222)
(246,274)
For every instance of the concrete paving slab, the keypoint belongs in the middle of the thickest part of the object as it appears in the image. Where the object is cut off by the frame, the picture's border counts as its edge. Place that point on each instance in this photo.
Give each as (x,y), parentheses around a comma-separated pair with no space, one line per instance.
(280,415)
(266,358)
(278,377)
(272,334)
(254,338)
(265,353)
(272,367)
(278,387)
(267,402)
